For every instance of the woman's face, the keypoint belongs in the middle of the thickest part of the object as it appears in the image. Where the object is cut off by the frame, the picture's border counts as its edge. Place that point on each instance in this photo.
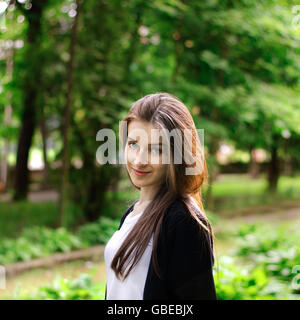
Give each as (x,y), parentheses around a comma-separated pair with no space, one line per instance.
(143,155)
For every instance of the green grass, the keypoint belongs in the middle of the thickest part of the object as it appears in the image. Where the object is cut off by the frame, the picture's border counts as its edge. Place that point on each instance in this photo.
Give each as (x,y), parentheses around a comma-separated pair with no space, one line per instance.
(236,192)
(241,185)
(63,281)
(289,187)
(238,186)
(14,217)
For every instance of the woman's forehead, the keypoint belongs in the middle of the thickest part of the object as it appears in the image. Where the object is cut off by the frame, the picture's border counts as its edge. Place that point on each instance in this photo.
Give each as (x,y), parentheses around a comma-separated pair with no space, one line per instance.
(140,124)
(144,130)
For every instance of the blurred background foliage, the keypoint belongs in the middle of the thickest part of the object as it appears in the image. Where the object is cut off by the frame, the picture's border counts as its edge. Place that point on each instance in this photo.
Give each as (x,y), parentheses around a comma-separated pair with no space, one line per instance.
(70,68)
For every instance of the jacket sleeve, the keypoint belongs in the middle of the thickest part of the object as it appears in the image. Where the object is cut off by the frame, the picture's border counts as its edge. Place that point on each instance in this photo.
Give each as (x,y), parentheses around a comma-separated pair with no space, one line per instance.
(190,259)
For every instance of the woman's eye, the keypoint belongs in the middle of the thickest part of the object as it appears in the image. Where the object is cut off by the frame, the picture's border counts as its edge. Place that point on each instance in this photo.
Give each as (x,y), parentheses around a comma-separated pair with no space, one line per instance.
(156,150)
(132,143)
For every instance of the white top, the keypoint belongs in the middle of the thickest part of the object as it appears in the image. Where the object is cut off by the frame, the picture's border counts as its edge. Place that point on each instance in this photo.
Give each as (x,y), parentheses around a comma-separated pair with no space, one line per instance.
(132,288)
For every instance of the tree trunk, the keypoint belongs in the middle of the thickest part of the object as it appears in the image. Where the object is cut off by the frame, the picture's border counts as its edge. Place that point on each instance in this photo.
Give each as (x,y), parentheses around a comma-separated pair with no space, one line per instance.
(44,133)
(98,180)
(7,122)
(3,178)
(254,166)
(115,179)
(274,167)
(66,123)
(25,139)
(31,91)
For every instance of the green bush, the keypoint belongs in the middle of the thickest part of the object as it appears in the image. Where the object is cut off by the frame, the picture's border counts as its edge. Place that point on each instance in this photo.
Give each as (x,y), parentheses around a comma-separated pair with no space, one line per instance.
(236,282)
(36,242)
(98,232)
(261,265)
(275,249)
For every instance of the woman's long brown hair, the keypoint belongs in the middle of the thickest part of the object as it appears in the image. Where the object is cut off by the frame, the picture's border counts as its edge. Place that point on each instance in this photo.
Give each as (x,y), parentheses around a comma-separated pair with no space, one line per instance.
(163,111)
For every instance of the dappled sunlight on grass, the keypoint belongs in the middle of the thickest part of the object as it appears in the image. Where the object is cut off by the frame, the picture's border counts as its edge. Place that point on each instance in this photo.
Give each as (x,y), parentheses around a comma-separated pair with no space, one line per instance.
(30,281)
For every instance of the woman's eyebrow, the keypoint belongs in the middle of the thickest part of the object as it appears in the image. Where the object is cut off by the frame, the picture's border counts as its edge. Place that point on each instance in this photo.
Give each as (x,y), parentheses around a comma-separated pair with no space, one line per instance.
(160,143)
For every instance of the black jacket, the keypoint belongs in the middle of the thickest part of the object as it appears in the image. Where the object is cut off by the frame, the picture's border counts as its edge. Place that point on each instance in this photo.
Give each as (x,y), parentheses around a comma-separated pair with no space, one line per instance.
(185,257)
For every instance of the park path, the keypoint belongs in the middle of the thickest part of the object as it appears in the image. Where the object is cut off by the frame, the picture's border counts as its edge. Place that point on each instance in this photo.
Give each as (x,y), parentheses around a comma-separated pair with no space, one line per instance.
(273,215)
(36,196)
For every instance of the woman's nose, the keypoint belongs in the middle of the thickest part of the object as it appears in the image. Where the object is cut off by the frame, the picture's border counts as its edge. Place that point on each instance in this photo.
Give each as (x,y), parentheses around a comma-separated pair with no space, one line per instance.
(141,157)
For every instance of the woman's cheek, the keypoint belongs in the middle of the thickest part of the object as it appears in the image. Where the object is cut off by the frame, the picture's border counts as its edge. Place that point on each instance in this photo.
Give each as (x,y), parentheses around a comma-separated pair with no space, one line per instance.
(131,153)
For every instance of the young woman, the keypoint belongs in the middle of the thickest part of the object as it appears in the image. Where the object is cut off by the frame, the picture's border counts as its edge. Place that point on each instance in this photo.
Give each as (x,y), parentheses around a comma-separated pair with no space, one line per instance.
(163,248)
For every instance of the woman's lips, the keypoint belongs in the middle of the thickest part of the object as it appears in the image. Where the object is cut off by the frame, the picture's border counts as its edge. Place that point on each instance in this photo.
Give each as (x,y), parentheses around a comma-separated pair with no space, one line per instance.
(140,173)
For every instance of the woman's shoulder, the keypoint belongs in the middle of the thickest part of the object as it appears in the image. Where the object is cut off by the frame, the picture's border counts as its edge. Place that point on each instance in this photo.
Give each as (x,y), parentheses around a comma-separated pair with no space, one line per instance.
(177,213)
(180,228)
(178,210)
(178,216)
